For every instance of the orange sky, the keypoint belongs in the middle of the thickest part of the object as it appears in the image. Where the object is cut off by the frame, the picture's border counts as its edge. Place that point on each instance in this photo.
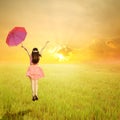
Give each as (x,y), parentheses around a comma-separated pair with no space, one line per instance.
(89,28)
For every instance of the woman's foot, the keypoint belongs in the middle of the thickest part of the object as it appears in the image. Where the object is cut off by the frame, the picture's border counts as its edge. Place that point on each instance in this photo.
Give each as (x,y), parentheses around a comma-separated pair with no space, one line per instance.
(35,98)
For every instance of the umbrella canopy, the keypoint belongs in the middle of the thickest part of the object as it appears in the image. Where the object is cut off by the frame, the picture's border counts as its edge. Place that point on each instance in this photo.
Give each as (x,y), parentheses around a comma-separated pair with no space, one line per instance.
(16,36)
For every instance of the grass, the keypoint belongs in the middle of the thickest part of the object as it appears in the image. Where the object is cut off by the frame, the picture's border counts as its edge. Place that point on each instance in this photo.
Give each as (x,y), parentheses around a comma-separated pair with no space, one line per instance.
(68,92)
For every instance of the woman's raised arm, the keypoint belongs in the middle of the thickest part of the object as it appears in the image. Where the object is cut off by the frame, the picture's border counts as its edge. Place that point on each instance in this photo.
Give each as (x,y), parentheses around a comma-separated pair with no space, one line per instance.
(44,47)
(25,50)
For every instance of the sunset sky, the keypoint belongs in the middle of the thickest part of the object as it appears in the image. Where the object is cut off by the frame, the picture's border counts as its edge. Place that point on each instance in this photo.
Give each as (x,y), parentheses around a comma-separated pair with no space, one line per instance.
(78,30)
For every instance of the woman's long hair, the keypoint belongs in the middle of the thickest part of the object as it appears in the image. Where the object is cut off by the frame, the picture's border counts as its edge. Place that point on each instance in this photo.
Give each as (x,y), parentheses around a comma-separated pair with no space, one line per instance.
(35,56)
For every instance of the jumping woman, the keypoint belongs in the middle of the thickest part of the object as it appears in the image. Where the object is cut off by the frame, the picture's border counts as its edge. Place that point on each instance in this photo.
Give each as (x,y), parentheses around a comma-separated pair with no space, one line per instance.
(34,71)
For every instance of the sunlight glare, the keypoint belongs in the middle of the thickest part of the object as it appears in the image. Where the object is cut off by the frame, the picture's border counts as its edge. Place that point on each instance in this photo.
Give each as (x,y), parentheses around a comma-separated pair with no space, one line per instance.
(60,57)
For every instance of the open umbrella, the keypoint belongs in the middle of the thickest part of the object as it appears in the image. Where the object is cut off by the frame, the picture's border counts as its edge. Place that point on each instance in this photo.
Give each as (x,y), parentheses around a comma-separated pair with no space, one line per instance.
(16,36)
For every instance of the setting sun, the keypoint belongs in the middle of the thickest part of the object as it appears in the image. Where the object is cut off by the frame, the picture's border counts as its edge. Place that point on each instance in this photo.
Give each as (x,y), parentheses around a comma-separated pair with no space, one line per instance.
(60,57)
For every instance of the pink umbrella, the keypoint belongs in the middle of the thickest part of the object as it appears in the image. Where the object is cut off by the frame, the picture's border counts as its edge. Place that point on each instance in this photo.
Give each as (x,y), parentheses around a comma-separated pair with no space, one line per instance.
(16,36)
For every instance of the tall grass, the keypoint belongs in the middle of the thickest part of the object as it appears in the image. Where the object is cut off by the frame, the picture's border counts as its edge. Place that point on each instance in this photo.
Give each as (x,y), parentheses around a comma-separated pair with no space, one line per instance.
(68,92)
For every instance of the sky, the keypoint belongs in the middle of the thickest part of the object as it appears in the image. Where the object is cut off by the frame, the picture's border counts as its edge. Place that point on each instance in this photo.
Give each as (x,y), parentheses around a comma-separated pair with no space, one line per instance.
(78,30)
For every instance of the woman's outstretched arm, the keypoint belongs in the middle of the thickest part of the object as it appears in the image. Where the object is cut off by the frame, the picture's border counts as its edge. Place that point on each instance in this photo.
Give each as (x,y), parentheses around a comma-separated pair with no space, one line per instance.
(26,50)
(44,46)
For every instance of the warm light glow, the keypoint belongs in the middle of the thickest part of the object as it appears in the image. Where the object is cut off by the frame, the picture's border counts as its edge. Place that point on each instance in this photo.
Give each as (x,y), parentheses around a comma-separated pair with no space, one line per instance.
(60,57)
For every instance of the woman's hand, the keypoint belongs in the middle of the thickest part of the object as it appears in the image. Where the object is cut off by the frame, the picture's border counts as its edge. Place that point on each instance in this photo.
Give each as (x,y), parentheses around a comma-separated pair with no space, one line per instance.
(47,42)
(22,46)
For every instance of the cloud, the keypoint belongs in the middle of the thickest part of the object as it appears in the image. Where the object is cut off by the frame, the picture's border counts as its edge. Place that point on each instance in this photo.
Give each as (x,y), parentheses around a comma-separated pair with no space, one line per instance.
(105,48)
(65,50)
(114,43)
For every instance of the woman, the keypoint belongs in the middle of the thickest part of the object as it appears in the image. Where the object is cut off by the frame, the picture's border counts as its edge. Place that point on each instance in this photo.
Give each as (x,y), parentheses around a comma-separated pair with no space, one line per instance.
(34,71)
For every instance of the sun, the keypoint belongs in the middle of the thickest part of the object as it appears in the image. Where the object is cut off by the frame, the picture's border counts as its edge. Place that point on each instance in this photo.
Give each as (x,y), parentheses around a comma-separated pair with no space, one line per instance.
(60,57)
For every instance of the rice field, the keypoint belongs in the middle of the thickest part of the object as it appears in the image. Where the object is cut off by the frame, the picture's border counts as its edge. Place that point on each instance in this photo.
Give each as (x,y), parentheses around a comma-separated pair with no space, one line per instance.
(68,92)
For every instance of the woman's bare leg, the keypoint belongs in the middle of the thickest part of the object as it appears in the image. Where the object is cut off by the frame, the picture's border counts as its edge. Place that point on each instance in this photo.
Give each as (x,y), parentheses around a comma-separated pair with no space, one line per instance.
(34,84)
(33,87)
(36,87)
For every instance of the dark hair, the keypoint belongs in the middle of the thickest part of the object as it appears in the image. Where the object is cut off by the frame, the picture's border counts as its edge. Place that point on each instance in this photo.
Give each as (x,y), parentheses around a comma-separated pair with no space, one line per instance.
(35,56)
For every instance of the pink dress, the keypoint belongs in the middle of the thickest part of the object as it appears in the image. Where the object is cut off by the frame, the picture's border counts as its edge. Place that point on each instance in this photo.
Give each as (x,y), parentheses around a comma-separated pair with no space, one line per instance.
(34,71)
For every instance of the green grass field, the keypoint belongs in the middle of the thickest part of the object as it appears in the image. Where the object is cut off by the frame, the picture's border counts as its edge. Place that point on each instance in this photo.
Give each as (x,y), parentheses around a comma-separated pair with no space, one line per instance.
(68,92)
